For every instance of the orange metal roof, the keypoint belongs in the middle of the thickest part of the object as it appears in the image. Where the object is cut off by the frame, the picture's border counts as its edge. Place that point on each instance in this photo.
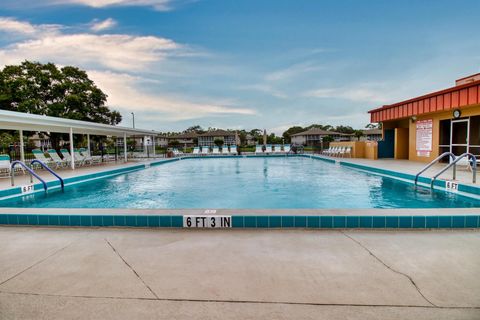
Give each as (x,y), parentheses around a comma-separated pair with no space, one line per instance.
(452,98)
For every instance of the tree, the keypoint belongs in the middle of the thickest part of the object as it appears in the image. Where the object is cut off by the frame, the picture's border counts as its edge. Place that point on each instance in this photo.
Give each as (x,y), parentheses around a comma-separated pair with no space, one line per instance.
(374,126)
(292,130)
(358,134)
(44,89)
(218,142)
(344,129)
(174,143)
(197,129)
(6,140)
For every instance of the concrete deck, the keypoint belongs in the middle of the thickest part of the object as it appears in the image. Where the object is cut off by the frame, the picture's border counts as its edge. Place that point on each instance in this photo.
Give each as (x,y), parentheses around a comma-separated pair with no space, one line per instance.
(413,167)
(81,273)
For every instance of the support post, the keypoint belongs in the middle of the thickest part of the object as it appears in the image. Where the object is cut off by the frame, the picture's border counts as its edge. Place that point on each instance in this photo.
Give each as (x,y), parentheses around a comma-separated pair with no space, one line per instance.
(88,144)
(125,145)
(72,154)
(22,147)
(153,144)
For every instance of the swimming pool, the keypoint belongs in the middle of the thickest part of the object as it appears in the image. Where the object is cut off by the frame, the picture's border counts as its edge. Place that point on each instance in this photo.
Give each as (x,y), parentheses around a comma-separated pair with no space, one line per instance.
(244,183)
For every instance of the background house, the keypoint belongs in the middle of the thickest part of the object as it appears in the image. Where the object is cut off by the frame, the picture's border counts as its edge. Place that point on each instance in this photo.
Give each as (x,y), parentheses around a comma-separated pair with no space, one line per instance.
(185,139)
(228,137)
(314,137)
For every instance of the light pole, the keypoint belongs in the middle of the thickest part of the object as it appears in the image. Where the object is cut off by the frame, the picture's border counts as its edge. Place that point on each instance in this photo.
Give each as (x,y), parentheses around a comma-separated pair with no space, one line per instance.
(133,118)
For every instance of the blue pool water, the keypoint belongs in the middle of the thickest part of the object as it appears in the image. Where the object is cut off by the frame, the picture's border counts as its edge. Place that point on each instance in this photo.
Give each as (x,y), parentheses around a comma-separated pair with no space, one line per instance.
(250,183)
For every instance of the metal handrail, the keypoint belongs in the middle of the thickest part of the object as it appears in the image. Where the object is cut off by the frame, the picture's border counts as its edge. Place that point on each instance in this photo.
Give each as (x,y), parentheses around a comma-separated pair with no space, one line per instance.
(44,166)
(428,166)
(30,171)
(466,154)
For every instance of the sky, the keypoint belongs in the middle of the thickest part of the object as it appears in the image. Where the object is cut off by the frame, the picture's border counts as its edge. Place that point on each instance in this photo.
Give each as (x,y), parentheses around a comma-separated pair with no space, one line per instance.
(244,64)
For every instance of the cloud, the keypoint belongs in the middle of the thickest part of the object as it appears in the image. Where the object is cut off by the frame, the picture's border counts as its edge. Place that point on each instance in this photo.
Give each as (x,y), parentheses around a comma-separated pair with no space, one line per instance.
(106,24)
(114,51)
(125,92)
(359,94)
(160,5)
(292,71)
(14,26)
(265,88)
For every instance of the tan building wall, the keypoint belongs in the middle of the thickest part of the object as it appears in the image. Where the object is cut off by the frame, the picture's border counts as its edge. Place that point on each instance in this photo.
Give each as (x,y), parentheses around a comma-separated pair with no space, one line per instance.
(371,150)
(436,117)
(358,147)
(401,143)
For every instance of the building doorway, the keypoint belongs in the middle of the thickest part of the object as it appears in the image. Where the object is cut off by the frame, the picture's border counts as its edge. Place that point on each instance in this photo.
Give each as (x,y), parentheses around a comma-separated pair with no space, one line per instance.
(460,135)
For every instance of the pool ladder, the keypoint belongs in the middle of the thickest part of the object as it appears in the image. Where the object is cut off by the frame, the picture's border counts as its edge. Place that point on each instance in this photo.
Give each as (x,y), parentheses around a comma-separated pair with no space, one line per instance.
(33,173)
(453,163)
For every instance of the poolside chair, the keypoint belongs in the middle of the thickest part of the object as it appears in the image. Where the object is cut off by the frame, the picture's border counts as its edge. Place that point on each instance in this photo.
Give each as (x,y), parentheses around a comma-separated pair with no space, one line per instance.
(348,152)
(5,165)
(258,149)
(269,148)
(333,152)
(81,157)
(205,150)
(225,150)
(233,150)
(215,150)
(88,157)
(66,156)
(278,148)
(39,155)
(196,150)
(286,148)
(55,157)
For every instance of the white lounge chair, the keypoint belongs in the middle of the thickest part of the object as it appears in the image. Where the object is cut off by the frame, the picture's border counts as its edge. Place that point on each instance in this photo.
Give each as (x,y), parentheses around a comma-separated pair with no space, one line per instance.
(196,150)
(205,150)
(215,150)
(269,148)
(66,155)
(286,148)
(233,150)
(55,157)
(278,148)
(225,150)
(39,155)
(81,157)
(258,149)
(88,157)
(347,152)
(333,152)
(5,165)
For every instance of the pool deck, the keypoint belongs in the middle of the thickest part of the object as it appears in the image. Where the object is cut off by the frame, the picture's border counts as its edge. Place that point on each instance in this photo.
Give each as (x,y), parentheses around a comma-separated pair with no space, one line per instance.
(464,176)
(100,273)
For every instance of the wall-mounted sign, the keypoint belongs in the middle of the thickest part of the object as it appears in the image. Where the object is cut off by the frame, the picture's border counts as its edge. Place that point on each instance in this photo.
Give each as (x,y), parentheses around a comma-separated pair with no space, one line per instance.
(424,137)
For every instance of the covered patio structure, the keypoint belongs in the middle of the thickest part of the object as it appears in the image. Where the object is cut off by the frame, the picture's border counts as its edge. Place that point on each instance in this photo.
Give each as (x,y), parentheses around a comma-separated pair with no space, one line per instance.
(10,120)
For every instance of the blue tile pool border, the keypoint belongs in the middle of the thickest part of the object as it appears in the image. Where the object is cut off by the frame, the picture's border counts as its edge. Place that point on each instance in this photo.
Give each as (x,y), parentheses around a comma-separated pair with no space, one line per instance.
(250,221)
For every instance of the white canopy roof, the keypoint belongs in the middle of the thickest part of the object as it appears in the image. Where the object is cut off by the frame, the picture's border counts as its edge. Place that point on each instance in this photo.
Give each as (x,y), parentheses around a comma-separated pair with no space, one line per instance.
(32,122)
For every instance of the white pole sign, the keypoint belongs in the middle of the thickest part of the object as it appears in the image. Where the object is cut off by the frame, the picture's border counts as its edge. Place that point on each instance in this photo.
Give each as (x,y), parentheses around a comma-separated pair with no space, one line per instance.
(207,221)
(424,134)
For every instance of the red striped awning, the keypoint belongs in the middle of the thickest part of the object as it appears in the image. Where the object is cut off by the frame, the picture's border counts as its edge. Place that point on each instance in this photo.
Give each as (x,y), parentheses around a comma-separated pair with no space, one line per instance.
(452,98)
